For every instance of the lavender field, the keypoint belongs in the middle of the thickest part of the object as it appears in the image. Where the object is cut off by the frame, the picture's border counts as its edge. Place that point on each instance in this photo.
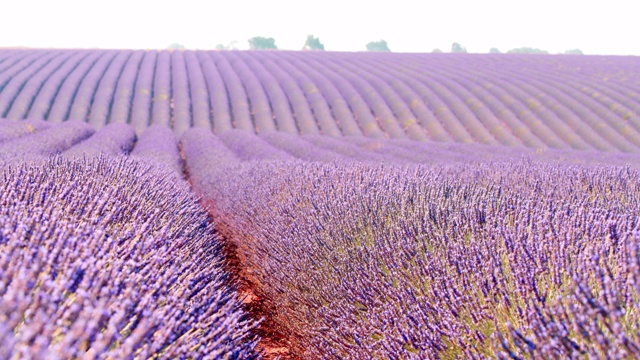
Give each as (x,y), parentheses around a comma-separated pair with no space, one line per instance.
(546,101)
(312,205)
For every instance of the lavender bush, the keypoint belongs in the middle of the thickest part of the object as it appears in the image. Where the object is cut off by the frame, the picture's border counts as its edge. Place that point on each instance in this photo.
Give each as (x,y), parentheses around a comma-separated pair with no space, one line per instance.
(11,129)
(203,150)
(510,260)
(346,148)
(113,139)
(158,144)
(106,258)
(299,148)
(249,146)
(50,141)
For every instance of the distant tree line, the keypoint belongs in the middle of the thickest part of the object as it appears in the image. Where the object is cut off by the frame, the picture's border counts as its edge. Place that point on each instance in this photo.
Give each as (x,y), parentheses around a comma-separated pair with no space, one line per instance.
(313,43)
(262,43)
(457,48)
(380,45)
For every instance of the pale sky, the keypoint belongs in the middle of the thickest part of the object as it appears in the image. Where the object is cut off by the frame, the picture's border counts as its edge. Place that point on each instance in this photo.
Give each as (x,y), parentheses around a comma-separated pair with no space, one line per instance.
(609,27)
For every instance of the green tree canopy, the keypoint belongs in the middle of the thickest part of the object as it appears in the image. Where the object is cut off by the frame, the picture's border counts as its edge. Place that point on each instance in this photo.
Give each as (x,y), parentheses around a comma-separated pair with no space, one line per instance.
(230,46)
(380,45)
(494,51)
(176,46)
(262,43)
(312,43)
(527,50)
(457,48)
(436,51)
(574,52)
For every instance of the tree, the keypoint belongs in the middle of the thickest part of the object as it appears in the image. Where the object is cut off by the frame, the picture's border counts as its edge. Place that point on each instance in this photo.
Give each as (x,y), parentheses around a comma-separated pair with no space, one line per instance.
(436,51)
(574,52)
(231,46)
(527,50)
(457,48)
(312,43)
(262,43)
(380,45)
(494,51)
(176,46)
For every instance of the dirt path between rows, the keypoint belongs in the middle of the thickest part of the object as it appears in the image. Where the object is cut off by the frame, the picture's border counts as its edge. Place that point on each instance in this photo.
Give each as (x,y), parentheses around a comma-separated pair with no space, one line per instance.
(273,343)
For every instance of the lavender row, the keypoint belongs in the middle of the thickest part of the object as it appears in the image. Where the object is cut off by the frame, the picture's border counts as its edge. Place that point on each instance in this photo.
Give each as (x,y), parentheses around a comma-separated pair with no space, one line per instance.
(102,101)
(109,258)
(198,90)
(248,146)
(299,104)
(568,110)
(319,148)
(162,94)
(203,150)
(122,98)
(299,148)
(181,100)
(615,129)
(358,106)
(143,93)
(579,119)
(10,130)
(49,141)
(372,91)
(158,144)
(533,122)
(218,94)
(113,139)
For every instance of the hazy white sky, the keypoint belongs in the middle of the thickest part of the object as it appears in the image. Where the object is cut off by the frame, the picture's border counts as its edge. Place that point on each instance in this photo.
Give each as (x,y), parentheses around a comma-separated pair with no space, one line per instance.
(609,27)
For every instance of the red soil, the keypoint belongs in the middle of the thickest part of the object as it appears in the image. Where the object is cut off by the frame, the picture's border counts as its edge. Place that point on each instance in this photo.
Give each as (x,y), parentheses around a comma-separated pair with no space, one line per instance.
(275,342)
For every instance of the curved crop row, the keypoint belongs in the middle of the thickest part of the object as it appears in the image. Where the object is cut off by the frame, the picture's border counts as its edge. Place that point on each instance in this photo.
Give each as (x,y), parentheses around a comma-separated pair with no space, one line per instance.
(143,93)
(577,102)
